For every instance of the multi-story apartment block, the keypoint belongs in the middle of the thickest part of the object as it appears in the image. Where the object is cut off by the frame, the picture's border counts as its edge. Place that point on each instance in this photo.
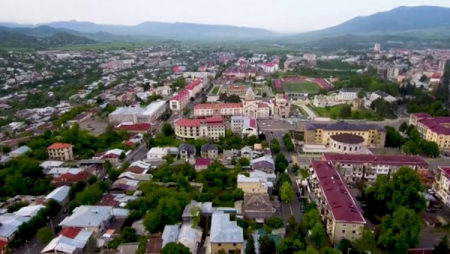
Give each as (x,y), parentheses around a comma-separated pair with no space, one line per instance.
(210,128)
(339,211)
(357,167)
(137,115)
(182,99)
(239,90)
(60,152)
(319,134)
(436,129)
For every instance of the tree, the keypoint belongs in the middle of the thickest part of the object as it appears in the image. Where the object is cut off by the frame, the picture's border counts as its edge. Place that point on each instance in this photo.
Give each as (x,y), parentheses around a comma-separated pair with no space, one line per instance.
(290,245)
(44,235)
(113,174)
(403,127)
(361,94)
(345,245)
(128,235)
(281,163)
(275,222)
(195,213)
(410,147)
(399,231)
(167,130)
(266,245)
(282,178)
(345,112)
(329,250)
(442,247)
(122,156)
(309,250)
(244,161)
(402,189)
(429,148)
(178,248)
(393,138)
(250,248)
(423,78)
(286,192)
(6,149)
(295,168)
(311,218)
(366,243)
(318,235)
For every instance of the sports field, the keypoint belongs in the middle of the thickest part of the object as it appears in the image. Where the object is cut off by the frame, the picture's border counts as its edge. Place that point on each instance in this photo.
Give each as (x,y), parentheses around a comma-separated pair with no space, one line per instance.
(301,87)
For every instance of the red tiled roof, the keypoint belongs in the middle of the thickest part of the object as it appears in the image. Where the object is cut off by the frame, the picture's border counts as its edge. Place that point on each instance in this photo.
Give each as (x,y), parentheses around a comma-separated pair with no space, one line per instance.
(376,159)
(434,124)
(2,244)
(68,177)
(135,169)
(134,127)
(218,106)
(129,143)
(108,200)
(59,146)
(197,122)
(342,205)
(70,232)
(202,162)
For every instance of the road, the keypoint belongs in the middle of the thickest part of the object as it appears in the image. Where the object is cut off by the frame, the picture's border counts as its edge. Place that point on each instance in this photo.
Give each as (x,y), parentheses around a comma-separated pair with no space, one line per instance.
(292,208)
(309,111)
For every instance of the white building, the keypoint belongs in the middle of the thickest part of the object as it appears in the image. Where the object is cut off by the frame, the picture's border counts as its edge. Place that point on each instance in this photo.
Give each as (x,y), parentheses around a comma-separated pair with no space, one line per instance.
(157,154)
(348,94)
(244,125)
(270,67)
(136,115)
(380,94)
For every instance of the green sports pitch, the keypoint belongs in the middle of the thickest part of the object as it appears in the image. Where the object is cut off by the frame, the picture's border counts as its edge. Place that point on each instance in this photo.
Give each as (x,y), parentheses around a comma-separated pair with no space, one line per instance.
(301,87)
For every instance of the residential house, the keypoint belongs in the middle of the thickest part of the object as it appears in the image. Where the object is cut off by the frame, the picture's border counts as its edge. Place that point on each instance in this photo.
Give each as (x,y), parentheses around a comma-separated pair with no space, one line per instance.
(257,206)
(206,209)
(247,152)
(209,151)
(202,164)
(19,151)
(29,211)
(264,163)
(10,223)
(157,154)
(47,165)
(190,237)
(170,234)
(70,241)
(92,218)
(252,184)
(60,195)
(70,179)
(225,234)
(60,152)
(186,151)
(380,94)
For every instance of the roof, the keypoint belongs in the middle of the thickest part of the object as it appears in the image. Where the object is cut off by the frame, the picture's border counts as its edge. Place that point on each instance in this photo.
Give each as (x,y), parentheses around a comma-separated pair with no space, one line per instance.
(29,211)
(381,94)
(421,115)
(249,123)
(59,146)
(190,237)
(347,138)
(185,122)
(436,124)
(398,160)
(202,162)
(187,147)
(339,126)
(445,172)
(70,178)
(87,216)
(62,171)
(59,194)
(225,231)
(258,203)
(134,127)
(170,234)
(154,245)
(51,164)
(21,150)
(69,240)
(209,147)
(339,200)
(10,224)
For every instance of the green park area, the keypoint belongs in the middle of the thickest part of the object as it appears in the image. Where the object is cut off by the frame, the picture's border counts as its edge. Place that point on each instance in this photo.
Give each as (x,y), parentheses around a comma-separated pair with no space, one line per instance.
(301,87)
(215,90)
(344,111)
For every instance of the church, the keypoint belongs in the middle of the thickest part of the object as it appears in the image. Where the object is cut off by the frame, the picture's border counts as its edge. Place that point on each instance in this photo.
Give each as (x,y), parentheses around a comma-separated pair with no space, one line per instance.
(278,107)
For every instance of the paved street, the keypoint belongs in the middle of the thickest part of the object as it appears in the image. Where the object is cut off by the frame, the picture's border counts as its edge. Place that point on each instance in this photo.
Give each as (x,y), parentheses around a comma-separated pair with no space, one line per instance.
(309,111)
(293,208)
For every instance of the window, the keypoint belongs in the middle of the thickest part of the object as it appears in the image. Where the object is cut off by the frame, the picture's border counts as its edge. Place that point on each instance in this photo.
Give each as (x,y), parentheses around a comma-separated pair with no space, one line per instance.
(353,231)
(343,231)
(219,244)
(234,244)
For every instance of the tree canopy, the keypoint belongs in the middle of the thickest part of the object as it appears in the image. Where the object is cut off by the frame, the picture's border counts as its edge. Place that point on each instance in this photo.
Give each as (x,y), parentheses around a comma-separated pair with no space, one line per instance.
(178,248)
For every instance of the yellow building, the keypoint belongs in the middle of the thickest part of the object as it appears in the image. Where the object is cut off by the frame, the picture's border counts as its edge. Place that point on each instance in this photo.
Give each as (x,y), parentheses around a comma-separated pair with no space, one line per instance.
(338,209)
(319,134)
(436,129)
(225,235)
(251,184)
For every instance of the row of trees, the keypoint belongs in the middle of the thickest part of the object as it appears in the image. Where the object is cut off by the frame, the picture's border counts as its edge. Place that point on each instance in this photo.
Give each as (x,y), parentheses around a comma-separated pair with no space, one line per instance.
(288,142)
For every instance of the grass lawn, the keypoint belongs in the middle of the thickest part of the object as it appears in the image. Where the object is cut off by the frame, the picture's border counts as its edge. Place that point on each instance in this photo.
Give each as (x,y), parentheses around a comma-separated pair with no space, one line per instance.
(258,91)
(215,90)
(303,87)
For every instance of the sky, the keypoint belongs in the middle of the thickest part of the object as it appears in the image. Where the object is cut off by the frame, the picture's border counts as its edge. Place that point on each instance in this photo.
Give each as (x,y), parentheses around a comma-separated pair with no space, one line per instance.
(276,15)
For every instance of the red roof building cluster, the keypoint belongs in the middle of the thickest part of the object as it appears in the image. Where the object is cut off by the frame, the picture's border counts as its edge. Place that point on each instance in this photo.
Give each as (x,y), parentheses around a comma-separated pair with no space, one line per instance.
(395,160)
(438,125)
(139,127)
(185,92)
(69,179)
(337,196)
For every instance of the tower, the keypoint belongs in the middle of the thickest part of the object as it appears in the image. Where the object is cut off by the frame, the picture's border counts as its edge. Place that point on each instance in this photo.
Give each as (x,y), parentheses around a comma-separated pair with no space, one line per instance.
(250,95)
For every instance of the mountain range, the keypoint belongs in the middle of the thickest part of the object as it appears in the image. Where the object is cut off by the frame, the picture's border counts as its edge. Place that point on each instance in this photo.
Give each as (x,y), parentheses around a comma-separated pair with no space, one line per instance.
(402,22)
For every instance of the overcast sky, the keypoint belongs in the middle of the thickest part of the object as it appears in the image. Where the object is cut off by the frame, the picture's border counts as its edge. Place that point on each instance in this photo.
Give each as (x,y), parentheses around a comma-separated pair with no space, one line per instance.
(277,15)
